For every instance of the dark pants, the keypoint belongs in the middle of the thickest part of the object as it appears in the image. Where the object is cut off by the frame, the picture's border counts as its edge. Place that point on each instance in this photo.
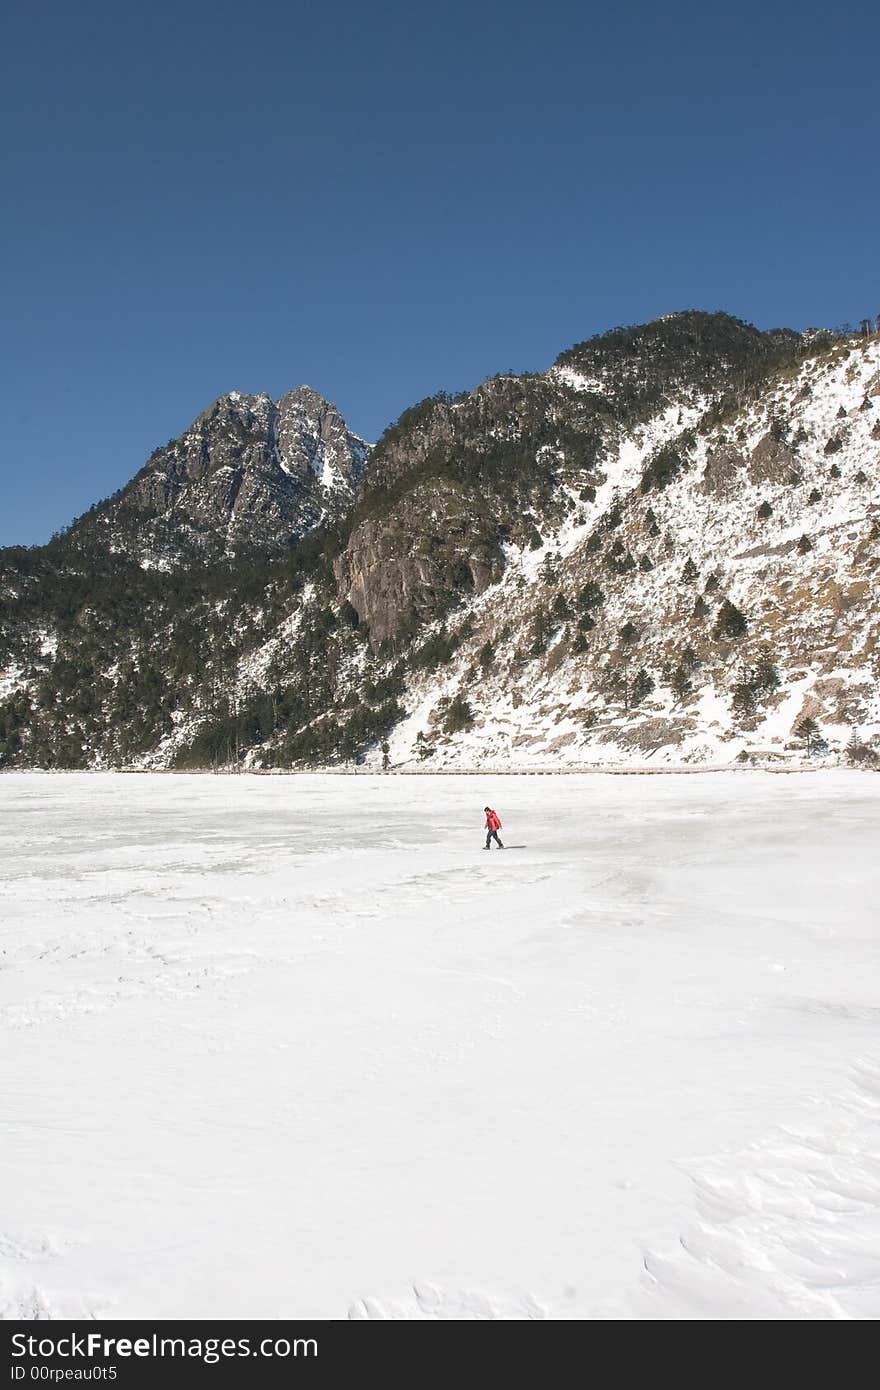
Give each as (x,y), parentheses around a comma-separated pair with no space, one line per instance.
(493,835)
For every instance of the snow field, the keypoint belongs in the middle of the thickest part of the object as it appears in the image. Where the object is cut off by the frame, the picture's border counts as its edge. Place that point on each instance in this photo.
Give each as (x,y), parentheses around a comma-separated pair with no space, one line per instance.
(298,1046)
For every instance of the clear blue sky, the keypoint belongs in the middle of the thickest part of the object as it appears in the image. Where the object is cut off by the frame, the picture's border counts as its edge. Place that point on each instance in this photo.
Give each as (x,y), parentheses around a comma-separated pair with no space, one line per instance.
(387,199)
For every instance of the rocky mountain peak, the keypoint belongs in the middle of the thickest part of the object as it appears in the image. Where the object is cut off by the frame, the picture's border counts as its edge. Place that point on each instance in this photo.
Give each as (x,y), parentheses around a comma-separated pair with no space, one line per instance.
(250,476)
(315,443)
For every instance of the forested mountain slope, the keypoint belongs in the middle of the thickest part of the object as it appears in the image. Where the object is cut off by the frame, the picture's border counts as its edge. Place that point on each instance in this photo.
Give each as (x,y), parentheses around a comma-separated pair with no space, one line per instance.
(662,550)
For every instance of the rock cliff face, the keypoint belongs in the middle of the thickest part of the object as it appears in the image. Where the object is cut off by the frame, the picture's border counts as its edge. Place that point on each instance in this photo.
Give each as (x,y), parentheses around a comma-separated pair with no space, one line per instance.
(452,483)
(402,569)
(249,477)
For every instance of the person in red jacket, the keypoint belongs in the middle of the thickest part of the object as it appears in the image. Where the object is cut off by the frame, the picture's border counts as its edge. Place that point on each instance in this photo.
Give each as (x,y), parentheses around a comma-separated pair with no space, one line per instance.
(492,826)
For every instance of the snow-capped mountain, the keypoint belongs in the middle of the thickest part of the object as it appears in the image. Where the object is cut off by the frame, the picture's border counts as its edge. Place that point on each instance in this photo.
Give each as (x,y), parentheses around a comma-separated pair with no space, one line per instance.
(250,476)
(661,551)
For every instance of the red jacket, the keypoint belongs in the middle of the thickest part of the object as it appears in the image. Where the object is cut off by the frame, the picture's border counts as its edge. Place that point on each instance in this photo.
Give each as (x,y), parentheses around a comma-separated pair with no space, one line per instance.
(493,821)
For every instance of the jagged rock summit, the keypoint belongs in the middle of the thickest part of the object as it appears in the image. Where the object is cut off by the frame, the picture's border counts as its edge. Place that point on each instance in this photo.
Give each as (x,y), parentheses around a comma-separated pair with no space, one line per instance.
(251,476)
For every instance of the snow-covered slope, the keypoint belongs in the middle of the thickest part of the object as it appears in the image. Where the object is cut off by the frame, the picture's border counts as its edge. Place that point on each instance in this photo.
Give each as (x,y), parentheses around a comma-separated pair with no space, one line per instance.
(282,1047)
(775,509)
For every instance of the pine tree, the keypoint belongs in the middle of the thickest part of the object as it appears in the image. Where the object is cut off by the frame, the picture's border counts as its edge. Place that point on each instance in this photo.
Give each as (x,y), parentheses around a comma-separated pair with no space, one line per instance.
(618,683)
(560,608)
(642,686)
(690,660)
(745,697)
(550,567)
(765,675)
(690,572)
(859,752)
(808,730)
(681,682)
(459,715)
(590,596)
(539,634)
(730,622)
(348,614)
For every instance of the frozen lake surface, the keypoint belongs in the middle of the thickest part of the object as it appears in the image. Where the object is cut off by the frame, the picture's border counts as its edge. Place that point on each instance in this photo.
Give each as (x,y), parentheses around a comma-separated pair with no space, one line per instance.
(297,1046)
